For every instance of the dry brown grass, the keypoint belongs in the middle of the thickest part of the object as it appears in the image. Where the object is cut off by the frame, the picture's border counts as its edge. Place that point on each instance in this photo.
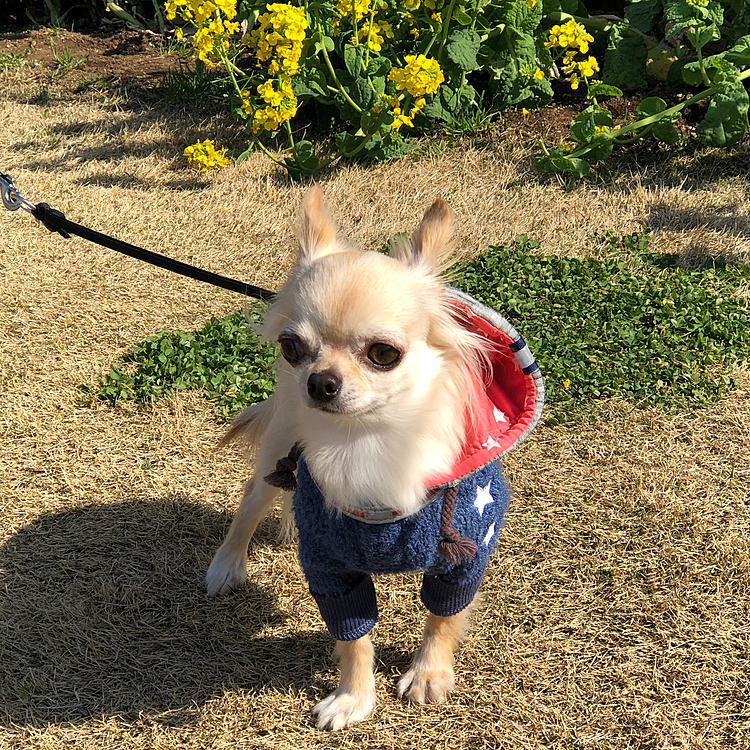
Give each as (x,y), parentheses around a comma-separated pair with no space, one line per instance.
(616,608)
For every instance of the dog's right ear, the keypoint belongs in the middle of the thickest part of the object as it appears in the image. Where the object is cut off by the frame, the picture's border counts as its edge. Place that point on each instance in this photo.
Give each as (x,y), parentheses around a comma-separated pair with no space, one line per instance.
(317,235)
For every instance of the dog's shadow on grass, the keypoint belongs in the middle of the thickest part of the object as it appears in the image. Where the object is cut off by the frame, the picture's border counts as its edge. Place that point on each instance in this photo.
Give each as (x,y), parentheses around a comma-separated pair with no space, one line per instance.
(103,613)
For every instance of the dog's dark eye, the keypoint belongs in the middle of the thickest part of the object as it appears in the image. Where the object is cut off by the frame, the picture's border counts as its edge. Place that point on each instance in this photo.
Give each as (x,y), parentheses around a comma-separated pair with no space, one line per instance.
(292,349)
(383,355)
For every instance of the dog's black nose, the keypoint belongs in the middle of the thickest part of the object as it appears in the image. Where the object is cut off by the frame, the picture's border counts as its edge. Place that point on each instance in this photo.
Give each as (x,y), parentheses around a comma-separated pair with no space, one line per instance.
(323,386)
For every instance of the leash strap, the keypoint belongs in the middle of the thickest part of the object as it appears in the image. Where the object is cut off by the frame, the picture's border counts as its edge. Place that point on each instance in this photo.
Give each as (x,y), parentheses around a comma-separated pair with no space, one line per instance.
(55,221)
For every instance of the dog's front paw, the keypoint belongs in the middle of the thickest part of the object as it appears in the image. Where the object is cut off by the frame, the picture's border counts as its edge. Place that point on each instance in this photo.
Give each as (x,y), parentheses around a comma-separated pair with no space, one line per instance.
(343,708)
(227,571)
(426,683)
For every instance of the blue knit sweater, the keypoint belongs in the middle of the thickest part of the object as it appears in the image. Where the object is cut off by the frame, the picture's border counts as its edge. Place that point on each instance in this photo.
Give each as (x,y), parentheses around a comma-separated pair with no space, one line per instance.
(338,553)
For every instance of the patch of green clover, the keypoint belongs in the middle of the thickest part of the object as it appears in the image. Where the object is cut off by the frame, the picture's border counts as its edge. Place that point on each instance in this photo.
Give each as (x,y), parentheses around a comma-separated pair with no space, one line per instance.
(631,325)
(225,359)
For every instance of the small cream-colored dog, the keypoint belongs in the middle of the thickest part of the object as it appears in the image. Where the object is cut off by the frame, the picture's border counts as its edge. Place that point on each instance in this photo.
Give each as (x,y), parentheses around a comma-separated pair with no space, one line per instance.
(385,408)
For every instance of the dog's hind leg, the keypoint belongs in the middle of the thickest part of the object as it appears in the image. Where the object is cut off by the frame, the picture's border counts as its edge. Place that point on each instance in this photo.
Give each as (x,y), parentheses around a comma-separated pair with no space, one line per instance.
(354,699)
(430,677)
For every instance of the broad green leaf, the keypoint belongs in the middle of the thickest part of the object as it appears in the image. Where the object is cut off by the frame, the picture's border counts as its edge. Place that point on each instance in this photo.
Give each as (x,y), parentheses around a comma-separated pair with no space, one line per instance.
(601,147)
(557,162)
(584,125)
(664,131)
(700,36)
(597,88)
(312,84)
(739,52)
(642,14)
(651,106)
(462,48)
(460,16)
(325,42)
(691,73)
(521,17)
(353,57)
(726,118)
(625,61)
(377,65)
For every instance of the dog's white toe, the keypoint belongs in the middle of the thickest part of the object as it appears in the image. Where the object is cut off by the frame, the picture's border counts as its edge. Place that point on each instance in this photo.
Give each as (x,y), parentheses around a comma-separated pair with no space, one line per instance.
(426,685)
(343,708)
(227,572)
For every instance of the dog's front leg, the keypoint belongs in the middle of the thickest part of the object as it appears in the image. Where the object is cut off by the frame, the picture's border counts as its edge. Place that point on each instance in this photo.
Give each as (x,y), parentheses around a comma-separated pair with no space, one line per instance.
(228,569)
(430,677)
(354,699)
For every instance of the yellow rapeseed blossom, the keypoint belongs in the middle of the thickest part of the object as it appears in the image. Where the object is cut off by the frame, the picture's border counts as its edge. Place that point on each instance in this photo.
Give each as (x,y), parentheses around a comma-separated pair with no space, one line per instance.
(360,8)
(437,17)
(570,34)
(379,29)
(213,23)
(539,74)
(281,104)
(530,3)
(204,156)
(420,76)
(279,35)
(573,38)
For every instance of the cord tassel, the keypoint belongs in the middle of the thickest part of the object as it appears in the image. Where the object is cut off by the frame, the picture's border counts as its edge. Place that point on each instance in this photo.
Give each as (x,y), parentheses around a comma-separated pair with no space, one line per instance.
(453,547)
(284,477)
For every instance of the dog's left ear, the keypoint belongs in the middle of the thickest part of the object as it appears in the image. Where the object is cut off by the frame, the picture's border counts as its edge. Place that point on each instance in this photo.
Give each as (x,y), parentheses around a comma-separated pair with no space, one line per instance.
(317,235)
(429,244)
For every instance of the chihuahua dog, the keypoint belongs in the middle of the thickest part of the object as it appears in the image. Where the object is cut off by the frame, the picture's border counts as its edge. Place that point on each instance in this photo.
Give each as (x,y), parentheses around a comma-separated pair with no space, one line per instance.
(385,408)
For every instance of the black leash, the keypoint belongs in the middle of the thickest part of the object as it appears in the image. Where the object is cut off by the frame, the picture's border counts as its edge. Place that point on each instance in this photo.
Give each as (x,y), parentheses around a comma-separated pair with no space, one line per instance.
(55,221)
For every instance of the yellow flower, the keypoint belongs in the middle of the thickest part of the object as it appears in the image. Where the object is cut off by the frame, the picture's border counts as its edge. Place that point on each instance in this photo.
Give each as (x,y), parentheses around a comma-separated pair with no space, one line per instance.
(539,74)
(566,383)
(420,76)
(530,3)
(437,17)
(204,156)
(281,104)
(279,34)
(360,8)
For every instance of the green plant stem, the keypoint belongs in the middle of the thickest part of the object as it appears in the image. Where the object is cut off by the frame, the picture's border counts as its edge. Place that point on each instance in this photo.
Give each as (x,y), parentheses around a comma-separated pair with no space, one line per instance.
(292,146)
(366,59)
(341,89)
(260,145)
(159,16)
(644,125)
(446,26)
(638,124)
(704,75)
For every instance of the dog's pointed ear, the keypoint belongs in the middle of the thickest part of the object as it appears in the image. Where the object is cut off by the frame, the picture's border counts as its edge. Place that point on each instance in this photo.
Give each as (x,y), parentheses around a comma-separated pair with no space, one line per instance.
(317,234)
(429,245)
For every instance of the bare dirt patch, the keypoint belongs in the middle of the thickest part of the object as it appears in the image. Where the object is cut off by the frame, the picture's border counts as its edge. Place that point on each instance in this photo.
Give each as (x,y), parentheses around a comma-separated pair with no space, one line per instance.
(107,55)
(616,609)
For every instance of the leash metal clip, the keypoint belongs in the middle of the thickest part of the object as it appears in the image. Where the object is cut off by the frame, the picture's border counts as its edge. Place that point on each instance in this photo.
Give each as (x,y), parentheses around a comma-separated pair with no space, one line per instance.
(12,199)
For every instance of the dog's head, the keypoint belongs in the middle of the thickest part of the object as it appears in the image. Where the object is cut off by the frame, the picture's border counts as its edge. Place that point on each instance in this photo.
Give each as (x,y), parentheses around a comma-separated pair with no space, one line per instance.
(362,332)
